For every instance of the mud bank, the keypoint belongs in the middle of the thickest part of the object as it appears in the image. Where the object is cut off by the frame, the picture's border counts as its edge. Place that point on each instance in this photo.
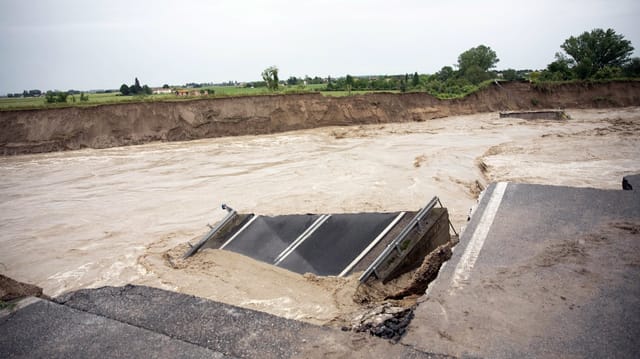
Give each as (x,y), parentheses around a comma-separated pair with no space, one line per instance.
(37,131)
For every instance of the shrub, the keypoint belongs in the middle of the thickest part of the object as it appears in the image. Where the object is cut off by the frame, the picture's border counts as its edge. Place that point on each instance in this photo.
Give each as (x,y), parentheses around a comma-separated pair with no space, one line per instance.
(56,97)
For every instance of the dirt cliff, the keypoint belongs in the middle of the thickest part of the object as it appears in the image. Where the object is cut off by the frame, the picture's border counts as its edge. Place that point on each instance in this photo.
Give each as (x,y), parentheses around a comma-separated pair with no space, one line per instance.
(48,130)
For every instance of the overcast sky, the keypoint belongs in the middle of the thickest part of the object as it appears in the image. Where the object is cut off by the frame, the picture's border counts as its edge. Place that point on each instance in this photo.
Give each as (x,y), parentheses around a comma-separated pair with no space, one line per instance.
(68,44)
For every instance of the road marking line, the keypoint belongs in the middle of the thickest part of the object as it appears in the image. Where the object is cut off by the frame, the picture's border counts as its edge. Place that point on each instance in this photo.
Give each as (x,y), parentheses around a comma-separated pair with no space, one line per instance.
(240,231)
(463,269)
(371,245)
(306,234)
(299,238)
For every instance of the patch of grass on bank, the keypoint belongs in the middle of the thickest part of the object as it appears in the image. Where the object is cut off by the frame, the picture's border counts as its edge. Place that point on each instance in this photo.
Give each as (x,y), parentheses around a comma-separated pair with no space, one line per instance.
(358,92)
(7,103)
(237,91)
(547,85)
(461,92)
(5,305)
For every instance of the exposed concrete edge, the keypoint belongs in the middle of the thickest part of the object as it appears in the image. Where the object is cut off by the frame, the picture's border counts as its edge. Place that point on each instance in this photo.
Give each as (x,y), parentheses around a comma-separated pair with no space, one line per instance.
(558,115)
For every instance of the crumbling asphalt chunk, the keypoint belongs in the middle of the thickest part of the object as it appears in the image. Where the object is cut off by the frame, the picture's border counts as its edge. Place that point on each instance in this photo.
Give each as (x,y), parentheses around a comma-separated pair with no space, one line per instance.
(384,321)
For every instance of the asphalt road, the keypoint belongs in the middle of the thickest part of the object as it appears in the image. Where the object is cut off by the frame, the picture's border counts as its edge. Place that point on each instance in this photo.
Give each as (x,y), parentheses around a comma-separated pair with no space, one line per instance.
(143,322)
(539,271)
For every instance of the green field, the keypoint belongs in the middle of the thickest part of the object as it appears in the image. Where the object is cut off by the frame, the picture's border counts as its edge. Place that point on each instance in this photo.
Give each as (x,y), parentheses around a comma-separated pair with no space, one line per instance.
(354,92)
(248,91)
(219,91)
(94,99)
(7,103)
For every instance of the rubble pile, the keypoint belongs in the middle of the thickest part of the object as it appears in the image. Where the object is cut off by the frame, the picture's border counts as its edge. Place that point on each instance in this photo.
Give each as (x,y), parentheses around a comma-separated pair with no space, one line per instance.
(385,321)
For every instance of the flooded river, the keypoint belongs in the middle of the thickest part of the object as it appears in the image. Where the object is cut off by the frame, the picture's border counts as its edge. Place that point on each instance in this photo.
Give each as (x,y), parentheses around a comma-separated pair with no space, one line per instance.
(106,217)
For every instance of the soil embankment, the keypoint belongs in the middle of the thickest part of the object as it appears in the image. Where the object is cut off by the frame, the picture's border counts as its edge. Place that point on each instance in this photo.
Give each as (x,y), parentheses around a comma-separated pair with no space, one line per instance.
(36,131)
(11,289)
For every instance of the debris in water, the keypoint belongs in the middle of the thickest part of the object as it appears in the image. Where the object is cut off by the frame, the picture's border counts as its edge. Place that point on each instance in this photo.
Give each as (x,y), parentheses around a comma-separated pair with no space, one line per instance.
(385,321)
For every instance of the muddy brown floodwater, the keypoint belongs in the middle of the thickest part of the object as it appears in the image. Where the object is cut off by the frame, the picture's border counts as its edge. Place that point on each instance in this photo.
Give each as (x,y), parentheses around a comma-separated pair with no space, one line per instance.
(91,218)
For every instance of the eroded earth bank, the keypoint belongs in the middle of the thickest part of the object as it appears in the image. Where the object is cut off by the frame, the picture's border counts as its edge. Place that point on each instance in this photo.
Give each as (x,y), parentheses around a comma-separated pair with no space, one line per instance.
(104,126)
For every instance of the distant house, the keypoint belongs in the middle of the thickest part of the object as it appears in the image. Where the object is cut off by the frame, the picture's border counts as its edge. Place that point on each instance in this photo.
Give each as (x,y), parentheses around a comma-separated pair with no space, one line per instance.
(160,91)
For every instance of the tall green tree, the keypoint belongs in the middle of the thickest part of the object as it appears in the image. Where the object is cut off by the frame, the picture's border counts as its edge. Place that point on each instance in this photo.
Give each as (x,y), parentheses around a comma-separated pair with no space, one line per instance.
(415,80)
(560,69)
(349,83)
(481,56)
(445,73)
(632,68)
(474,64)
(593,51)
(270,76)
(124,90)
(510,74)
(136,87)
(475,74)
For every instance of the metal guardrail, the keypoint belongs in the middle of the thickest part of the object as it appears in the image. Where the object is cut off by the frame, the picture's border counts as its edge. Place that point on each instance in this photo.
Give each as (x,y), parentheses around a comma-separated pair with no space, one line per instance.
(399,238)
(372,245)
(228,218)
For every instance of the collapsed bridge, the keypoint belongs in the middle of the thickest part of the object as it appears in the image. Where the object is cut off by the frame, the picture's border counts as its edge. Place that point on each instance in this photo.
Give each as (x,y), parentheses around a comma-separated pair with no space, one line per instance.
(382,244)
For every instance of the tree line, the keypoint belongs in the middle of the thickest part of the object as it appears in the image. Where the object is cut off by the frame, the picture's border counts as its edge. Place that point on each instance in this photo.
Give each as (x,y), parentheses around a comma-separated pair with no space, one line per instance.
(135,89)
(25,93)
(596,54)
